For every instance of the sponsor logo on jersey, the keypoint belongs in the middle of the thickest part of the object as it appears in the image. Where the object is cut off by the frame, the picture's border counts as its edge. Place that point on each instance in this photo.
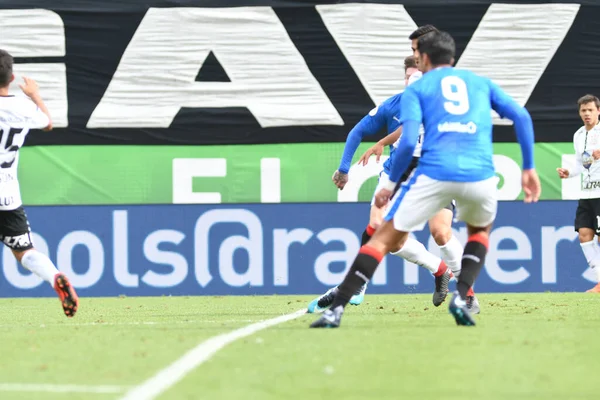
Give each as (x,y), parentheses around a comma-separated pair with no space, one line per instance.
(469,127)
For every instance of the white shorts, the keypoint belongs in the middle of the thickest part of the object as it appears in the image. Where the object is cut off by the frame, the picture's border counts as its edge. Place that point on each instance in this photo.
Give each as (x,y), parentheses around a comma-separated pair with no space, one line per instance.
(380,185)
(421,197)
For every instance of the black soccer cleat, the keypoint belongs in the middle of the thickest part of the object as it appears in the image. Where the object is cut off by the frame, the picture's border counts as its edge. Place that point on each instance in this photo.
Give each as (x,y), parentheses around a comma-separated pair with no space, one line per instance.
(322,302)
(441,287)
(329,318)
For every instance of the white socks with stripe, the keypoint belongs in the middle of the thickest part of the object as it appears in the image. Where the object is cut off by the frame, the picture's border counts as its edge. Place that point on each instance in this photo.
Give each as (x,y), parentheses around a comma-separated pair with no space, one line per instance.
(591,251)
(452,253)
(416,253)
(39,264)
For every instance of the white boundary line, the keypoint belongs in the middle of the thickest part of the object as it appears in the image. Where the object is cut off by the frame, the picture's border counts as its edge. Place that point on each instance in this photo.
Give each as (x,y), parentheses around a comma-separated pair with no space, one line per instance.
(51,388)
(172,374)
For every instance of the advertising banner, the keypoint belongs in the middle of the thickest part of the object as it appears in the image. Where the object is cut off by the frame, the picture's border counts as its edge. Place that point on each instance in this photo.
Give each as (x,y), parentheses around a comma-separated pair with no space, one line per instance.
(276,249)
(285,173)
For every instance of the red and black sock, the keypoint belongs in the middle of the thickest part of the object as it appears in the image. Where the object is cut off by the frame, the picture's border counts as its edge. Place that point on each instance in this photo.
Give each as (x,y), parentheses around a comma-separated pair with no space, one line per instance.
(442,268)
(472,262)
(361,272)
(366,236)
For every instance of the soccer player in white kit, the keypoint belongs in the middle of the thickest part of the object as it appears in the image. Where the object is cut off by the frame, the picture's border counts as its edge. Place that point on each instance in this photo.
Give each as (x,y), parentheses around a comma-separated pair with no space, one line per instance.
(19,114)
(587,152)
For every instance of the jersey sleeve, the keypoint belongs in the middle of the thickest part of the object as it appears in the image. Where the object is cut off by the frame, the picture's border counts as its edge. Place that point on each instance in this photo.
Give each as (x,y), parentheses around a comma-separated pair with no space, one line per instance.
(370,124)
(410,106)
(578,167)
(36,118)
(505,106)
(411,116)
(502,103)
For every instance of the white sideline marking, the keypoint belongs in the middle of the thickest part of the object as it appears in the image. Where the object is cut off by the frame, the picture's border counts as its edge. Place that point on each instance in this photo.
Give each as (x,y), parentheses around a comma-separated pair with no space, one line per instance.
(32,387)
(172,374)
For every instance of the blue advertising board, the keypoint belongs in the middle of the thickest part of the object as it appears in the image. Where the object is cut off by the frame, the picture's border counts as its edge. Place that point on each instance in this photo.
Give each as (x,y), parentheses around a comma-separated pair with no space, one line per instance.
(276,249)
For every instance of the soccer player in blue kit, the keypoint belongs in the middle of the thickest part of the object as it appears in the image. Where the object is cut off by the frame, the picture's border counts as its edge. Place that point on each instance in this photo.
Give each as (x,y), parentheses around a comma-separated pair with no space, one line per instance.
(387,115)
(456,162)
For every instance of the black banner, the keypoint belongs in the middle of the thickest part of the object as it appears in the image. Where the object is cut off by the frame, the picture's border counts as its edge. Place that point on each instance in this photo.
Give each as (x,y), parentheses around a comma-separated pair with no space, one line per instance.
(239,72)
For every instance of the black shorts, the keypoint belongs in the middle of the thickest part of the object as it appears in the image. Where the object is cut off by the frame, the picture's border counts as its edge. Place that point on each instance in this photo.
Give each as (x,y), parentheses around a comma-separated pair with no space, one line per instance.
(413,164)
(588,214)
(14,229)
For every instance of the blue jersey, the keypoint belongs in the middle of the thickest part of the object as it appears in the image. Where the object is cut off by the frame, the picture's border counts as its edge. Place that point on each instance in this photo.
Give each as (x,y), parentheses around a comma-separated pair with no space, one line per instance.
(455,108)
(386,115)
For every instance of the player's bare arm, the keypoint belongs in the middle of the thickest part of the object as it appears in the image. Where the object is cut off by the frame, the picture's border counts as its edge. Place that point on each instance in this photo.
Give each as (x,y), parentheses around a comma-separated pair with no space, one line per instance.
(531,185)
(377,148)
(31,90)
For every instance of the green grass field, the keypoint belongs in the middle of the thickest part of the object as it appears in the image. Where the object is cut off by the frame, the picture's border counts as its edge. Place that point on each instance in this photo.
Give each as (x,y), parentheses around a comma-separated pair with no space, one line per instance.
(525,346)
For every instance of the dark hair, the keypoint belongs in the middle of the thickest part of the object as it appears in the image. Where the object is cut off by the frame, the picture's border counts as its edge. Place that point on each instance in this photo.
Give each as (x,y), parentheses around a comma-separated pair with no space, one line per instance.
(6,68)
(439,46)
(410,62)
(422,30)
(588,98)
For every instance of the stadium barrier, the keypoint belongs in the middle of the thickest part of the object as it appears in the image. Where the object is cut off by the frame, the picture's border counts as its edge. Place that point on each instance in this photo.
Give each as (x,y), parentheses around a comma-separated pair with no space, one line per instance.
(263,249)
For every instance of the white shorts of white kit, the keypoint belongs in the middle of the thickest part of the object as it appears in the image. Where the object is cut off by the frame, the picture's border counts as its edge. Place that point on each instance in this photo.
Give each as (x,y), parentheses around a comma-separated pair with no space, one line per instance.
(421,197)
(380,185)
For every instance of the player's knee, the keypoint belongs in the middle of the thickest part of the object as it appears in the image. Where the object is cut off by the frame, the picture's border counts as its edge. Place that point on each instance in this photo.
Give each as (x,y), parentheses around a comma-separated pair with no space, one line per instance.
(441,234)
(375,224)
(586,235)
(20,253)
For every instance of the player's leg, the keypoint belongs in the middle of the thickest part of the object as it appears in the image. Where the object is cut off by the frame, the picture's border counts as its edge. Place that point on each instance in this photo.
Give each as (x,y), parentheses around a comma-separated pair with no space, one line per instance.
(42,266)
(325,300)
(441,231)
(586,225)
(402,217)
(440,226)
(415,252)
(375,220)
(362,270)
(16,235)
(464,303)
(476,204)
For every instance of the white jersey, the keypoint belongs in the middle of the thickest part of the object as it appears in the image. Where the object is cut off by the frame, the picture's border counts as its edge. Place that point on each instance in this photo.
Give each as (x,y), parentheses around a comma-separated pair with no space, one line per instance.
(417,153)
(18,114)
(585,142)
(419,146)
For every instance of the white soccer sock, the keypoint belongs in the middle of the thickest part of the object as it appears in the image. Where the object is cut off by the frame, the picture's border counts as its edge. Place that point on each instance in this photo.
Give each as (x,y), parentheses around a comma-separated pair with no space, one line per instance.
(416,253)
(592,256)
(452,254)
(39,264)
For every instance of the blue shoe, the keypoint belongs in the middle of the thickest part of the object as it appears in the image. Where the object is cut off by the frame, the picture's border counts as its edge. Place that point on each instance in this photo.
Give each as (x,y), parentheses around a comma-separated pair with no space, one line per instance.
(460,311)
(359,297)
(322,302)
